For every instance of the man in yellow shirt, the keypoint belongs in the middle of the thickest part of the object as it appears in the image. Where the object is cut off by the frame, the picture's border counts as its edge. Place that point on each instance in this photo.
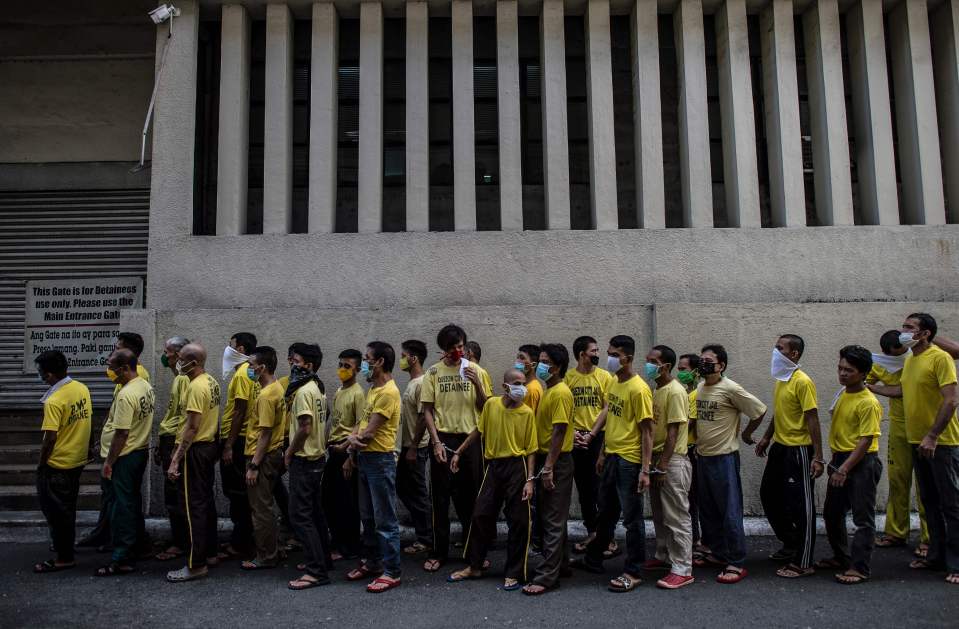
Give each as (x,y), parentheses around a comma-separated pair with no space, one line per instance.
(340,483)
(414,453)
(688,375)
(588,384)
(306,459)
(124,444)
(169,427)
(241,394)
(854,470)
(63,453)
(554,433)
(508,430)
(265,430)
(672,470)
(527,357)
(625,466)
(794,459)
(887,371)
(719,403)
(453,395)
(374,442)
(194,462)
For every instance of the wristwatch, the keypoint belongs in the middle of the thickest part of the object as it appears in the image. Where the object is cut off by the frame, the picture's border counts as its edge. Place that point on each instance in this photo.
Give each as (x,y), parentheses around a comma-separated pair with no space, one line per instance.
(252,466)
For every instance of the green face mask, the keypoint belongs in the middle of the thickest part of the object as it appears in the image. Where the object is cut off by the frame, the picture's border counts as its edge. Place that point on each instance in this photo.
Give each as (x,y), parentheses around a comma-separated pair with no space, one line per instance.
(164,361)
(686,377)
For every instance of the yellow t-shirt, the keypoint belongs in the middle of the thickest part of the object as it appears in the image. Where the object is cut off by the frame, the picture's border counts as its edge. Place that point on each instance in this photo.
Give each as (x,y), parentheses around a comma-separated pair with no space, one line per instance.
(453,398)
(670,406)
(175,408)
(203,397)
(855,415)
(485,379)
(348,405)
(589,395)
(717,416)
(307,400)
(67,412)
(385,401)
(507,432)
(239,388)
(270,412)
(691,436)
(630,403)
(534,393)
(411,414)
(284,383)
(132,410)
(880,374)
(791,399)
(555,407)
(141,373)
(923,377)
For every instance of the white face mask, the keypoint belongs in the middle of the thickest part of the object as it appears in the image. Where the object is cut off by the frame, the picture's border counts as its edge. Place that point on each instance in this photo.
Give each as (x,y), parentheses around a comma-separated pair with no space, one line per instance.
(231,360)
(781,367)
(516,392)
(892,364)
(612,364)
(907,339)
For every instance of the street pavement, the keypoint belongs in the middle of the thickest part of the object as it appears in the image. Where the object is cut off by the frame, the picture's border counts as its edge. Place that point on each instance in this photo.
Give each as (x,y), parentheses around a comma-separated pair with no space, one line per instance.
(230,597)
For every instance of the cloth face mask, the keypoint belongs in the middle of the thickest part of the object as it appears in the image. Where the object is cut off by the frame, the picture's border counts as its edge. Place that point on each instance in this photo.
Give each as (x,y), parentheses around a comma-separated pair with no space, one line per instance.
(231,360)
(781,368)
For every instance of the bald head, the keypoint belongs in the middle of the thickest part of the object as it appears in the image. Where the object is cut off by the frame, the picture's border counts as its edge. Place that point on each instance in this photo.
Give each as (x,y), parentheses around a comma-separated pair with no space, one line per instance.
(514,376)
(192,360)
(123,362)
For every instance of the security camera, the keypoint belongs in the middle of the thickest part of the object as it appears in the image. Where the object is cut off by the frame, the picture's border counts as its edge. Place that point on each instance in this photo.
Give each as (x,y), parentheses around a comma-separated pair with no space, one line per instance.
(163,13)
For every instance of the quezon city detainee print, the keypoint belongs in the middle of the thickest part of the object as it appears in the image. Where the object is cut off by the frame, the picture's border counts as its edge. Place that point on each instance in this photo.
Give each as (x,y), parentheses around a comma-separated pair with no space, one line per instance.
(534,313)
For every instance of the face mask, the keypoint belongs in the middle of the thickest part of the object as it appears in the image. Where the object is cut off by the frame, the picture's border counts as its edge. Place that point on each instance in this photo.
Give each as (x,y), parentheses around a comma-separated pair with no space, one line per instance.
(542,371)
(231,360)
(518,366)
(612,364)
(652,371)
(516,392)
(892,364)
(594,360)
(344,374)
(780,367)
(404,363)
(705,369)
(164,360)
(185,368)
(112,375)
(908,339)
(455,354)
(686,377)
(298,373)
(366,370)
(251,373)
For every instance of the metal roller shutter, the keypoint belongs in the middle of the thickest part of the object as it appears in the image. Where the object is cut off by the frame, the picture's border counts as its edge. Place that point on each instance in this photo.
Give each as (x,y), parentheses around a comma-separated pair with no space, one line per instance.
(62,234)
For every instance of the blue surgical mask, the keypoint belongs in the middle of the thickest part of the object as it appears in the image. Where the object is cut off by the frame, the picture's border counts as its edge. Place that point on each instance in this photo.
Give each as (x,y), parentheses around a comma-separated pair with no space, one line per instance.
(542,371)
(251,373)
(365,369)
(518,366)
(651,371)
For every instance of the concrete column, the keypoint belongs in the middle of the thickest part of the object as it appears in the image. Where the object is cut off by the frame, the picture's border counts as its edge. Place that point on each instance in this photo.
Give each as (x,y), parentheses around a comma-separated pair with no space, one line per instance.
(695,170)
(323,116)
(787,195)
(278,122)
(740,171)
(912,79)
(647,116)
(370,162)
(945,31)
(234,120)
(599,105)
(827,106)
(872,120)
(174,128)
(553,97)
(417,118)
(464,134)
(509,116)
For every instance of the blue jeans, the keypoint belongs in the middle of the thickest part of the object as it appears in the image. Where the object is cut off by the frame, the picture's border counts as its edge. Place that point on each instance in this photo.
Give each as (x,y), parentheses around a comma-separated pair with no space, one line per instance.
(381,528)
(617,492)
(720,497)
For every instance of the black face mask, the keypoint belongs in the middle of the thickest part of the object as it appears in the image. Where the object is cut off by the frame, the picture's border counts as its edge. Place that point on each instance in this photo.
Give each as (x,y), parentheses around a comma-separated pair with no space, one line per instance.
(594,360)
(707,368)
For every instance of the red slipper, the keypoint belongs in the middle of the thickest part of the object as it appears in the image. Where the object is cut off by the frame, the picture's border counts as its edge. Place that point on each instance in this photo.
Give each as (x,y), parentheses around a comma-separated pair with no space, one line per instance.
(382,584)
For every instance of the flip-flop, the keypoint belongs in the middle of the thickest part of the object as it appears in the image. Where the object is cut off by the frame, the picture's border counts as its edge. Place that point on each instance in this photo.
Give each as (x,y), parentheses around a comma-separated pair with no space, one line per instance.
(921,551)
(114,569)
(253,564)
(453,578)
(615,551)
(382,584)
(306,584)
(738,574)
(540,592)
(433,565)
(708,560)
(952,578)
(851,579)
(888,541)
(416,548)
(50,565)
(512,587)
(792,571)
(362,572)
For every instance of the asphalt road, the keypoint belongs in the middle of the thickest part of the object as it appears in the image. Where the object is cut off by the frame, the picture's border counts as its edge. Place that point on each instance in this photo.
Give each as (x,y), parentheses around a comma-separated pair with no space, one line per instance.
(896,597)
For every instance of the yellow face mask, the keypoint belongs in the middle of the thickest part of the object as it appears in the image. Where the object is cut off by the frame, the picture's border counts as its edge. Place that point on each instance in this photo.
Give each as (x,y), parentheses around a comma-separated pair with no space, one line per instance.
(344,374)
(112,375)
(404,363)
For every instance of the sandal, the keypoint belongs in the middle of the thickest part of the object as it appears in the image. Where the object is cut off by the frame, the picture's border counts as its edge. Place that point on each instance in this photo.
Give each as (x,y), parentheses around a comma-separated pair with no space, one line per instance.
(432,565)
(114,569)
(889,541)
(535,589)
(953,578)
(511,585)
(612,551)
(782,554)
(306,582)
(624,583)
(382,584)
(184,574)
(922,551)
(851,577)
(792,571)
(708,560)
(254,564)
(416,548)
(362,572)
(731,574)
(921,564)
(829,564)
(466,574)
(170,553)
(50,565)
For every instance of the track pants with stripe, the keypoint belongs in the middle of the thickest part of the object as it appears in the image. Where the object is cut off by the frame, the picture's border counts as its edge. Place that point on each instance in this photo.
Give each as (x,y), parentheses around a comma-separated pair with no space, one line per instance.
(502,488)
(788,499)
(199,471)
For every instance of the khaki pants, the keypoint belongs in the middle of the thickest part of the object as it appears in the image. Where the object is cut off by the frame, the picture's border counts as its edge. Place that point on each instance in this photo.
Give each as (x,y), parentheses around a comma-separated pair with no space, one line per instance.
(261,503)
(669,502)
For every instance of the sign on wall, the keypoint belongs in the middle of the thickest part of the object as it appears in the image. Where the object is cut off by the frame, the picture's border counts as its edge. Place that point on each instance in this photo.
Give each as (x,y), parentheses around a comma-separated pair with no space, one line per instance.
(80,318)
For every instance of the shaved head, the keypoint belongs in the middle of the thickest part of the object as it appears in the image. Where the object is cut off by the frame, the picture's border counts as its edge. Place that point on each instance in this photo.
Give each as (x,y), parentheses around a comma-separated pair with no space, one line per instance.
(512,375)
(121,358)
(193,351)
